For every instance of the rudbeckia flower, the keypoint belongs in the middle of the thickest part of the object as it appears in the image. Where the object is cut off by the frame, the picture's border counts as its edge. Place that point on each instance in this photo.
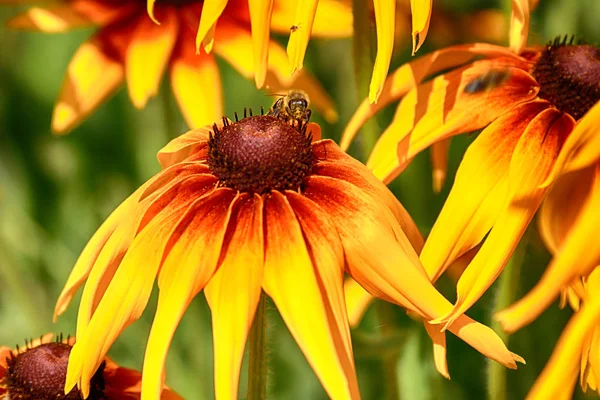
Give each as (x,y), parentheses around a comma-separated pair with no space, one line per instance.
(38,371)
(137,46)
(578,349)
(527,104)
(243,208)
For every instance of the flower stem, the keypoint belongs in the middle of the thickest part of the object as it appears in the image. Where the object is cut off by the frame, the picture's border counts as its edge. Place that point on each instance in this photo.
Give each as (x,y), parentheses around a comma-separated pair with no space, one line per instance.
(505,295)
(363,68)
(257,366)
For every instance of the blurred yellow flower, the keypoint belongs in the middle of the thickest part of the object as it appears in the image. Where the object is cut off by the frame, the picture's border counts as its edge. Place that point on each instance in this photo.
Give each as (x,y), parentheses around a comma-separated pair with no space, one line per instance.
(528,104)
(38,371)
(137,47)
(247,207)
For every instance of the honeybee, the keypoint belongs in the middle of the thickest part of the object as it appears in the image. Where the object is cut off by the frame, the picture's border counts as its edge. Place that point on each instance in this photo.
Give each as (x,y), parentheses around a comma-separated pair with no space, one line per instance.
(487,81)
(293,107)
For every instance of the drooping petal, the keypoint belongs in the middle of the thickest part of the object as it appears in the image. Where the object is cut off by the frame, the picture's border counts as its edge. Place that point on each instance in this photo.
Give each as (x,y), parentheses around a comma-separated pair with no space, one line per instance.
(519,25)
(577,257)
(560,374)
(304,279)
(260,18)
(234,291)
(582,147)
(189,263)
(92,76)
(147,56)
(196,83)
(385,268)
(442,108)
(411,74)
(439,348)
(385,21)
(479,190)
(531,163)
(563,204)
(126,295)
(439,163)
(299,37)
(211,11)
(357,301)
(333,18)
(421,14)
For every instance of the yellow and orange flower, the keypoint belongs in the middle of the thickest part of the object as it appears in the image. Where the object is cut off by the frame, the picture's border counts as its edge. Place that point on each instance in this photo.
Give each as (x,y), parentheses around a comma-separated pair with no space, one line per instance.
(243,208)
(529,103)
(38,371)
(578,349)
(137,46)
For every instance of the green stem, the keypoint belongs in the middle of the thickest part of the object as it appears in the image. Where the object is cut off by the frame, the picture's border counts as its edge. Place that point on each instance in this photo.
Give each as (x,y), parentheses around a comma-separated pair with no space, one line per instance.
(385,317)
(363,69)
(257,366)
(505,296)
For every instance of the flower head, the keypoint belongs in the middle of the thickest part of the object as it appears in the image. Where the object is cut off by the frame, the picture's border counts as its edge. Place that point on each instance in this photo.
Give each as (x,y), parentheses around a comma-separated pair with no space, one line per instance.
(529,104)
(245,207)
(134,46)
(38,371)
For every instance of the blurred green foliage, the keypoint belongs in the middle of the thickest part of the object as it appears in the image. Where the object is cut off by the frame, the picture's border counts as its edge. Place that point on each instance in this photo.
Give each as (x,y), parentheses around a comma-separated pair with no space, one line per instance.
(55,191)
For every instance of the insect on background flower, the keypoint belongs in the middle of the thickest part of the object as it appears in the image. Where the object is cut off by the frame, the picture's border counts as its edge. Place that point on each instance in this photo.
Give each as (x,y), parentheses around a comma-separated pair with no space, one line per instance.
(529,104)
(246,207)
(137,46)
(38,371)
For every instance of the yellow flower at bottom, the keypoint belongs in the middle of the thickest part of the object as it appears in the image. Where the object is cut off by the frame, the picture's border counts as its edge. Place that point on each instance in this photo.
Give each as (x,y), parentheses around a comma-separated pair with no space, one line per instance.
(247,207)
(38,371)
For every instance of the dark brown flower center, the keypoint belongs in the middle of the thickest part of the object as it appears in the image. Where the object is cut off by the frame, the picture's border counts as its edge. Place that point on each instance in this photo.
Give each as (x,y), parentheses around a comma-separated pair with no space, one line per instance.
(40,372)
(569,76)
(259,154)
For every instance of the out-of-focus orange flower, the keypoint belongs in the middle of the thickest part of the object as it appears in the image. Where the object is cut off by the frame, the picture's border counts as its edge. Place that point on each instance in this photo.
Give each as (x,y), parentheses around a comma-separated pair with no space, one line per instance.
(38,371)
(529,104)
(137,47)
(578,349)
(247,207)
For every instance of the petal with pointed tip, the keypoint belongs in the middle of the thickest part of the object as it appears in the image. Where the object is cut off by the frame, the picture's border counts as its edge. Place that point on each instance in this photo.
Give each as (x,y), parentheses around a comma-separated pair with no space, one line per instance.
(385,20)
(532,161)
(411,74)
(421,15)
(577,257)
(479,191)
(211,11)
(260,19)
(439,348)
(234,291)
(184,146)
(298,41)
(193,253)
(303,276)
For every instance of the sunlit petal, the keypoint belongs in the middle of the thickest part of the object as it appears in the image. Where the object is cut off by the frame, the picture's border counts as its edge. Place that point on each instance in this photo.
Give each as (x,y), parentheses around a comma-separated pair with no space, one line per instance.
(303,20)
(519,25)
(333,18)
(421,14)
(211,11)
(385,21)
(357,301)
(260,18)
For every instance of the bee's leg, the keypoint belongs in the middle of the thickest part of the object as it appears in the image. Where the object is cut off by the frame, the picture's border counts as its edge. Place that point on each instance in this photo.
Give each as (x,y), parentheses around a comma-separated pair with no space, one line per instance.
(307,115)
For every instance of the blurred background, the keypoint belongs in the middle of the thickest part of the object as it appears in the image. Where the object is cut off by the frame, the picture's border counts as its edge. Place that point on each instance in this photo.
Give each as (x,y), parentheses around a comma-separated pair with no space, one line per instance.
(56,190)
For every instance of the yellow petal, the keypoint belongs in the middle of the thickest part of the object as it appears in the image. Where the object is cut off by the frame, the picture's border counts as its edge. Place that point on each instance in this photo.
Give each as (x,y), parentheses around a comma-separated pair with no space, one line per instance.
(304,279)
(421,14)
(479,190)
(333,18)
(299,37)
(196,84)
(211,11)
(385,20)
(441,108)
(519,25)
(411,74)
(183,146)
(562,206)
(439,348)
(439,163)
(581,149)
(386,268)
(357,301)
(577,257)
(91,77)
(125,298)
(234,291)
(191,261)
(260,18)
(560,374)
(49,20)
